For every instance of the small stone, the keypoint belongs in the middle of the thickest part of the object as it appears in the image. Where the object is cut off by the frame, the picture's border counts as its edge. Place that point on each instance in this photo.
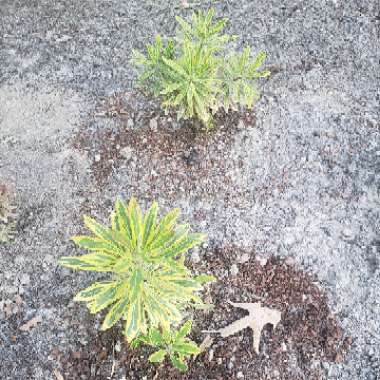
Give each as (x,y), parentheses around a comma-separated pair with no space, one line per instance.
(234,270)
(241,125)
(25,279)
(10,289)
(126,153)
(153,124)
(195,258)
(243,258)
(118,346)
(211,355)
(262,260)
(289,261)
(130,123)
(283,347)
(97,157)
(289,239)
(231,362)
(240,375)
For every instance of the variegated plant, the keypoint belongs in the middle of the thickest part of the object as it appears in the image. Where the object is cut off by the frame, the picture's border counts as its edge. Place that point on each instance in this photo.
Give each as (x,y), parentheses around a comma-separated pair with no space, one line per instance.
(149,285)
(197,73)
(172,344)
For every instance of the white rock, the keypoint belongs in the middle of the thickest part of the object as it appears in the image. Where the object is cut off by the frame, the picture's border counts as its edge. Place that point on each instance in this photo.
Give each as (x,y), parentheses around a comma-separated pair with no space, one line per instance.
(243,258)
(211,355)
(241,125)
(126,153)
(153,124)
(97,157)
(195,258)
(130,123)
(240,375)
(25,279)
(234,270)
(118,346)
(262,260)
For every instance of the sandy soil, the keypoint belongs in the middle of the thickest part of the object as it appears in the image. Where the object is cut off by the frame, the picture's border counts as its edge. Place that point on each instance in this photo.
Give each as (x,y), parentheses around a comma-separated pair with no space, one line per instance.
(293,187)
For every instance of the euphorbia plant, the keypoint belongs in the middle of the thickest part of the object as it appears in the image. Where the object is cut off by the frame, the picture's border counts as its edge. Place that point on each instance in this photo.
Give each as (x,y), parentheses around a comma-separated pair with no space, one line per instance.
(149,284)
(196,73)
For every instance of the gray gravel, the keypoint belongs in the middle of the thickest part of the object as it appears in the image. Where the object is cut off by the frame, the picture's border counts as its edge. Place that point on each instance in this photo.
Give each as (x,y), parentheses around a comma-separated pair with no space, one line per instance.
(303,182)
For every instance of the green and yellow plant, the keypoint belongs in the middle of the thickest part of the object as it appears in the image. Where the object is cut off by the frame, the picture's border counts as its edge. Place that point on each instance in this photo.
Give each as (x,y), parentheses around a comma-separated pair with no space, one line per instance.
(195,74)
(172,344)
(149,285)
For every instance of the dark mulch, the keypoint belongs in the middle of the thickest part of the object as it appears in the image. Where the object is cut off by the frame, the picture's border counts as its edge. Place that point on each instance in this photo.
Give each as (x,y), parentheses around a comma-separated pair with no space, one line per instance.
(181,147)
(307,335)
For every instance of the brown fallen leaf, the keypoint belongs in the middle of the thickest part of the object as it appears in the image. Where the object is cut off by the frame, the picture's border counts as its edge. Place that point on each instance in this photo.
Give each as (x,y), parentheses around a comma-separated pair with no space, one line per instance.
(31,324)
(258,317)
(58,374)
(207,343)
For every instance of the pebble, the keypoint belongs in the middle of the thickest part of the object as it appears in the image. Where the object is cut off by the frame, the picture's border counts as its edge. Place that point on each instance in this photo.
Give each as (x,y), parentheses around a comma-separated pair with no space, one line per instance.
(130,123)
(262,260)
(153,124)
(241,125)
(243,258)
(234,270)
(195,258)
(240,375)
(25,279)
(126,153)
(118,346)
(97,157)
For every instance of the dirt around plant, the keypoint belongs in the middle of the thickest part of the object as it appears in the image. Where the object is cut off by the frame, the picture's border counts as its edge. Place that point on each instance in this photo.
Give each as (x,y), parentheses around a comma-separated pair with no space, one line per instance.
(292,186)
(307,336)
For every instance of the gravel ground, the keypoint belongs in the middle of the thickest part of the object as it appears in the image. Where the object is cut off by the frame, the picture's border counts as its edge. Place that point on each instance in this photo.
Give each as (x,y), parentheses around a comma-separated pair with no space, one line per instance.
(298,178)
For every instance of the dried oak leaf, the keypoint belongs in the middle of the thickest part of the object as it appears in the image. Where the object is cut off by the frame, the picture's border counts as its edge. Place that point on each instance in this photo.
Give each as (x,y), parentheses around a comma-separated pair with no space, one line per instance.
(31,324)
(257,318)
(58,374)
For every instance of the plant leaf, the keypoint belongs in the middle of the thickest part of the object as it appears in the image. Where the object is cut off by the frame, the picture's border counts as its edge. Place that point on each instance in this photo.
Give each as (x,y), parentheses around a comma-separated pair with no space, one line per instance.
(158,356)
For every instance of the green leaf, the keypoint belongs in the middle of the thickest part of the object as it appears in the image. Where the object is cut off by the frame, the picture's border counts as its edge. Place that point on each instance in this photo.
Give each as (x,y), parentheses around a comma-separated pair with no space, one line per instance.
(175,66)
(125,225)
(257,62)
(136,223)
(204,278)
(157,357)
(155,337)
(92,291)
(135,285)
(96,244)
(104,298)
(100,262)
(116,313)
(183,331)
(191,241)
(186,348)
(100,231)
(150,220)
(178,363)
(133,323)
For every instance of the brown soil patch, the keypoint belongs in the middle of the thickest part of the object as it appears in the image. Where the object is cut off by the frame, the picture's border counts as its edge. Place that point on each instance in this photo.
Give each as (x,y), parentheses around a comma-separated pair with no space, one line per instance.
(195,156)
(307,335)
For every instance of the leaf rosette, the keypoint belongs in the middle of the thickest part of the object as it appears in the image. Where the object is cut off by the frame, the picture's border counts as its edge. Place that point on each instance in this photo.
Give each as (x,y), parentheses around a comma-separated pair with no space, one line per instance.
(149,286)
